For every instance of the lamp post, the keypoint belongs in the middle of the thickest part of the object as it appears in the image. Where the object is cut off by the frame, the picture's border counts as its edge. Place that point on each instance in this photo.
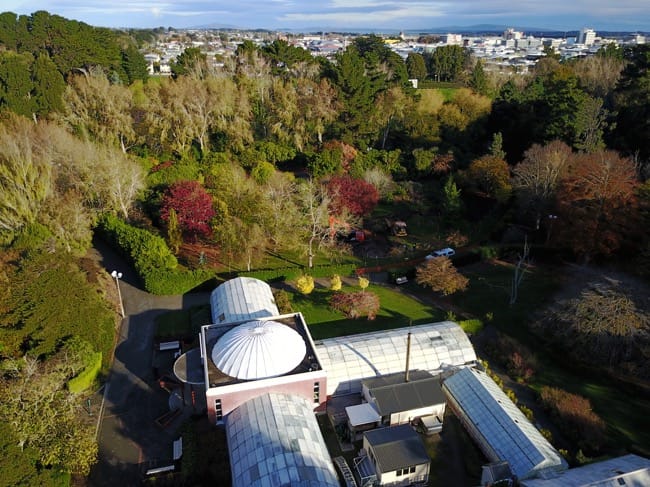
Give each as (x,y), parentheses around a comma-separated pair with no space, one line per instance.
(117,276)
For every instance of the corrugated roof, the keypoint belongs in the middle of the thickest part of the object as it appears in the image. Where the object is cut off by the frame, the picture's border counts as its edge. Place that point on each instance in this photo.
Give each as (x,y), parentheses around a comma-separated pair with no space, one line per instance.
(349,359)
(397,447)
(501,424)
(407,396)
(274,440)
(627,471)
(242,298)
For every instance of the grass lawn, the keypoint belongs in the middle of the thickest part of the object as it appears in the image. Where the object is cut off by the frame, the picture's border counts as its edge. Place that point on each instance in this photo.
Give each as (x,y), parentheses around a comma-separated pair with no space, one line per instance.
(397,310)
(626,413)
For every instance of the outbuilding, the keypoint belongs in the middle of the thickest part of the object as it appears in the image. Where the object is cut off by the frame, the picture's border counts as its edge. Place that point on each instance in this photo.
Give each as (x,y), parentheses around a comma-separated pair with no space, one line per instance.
(393,456)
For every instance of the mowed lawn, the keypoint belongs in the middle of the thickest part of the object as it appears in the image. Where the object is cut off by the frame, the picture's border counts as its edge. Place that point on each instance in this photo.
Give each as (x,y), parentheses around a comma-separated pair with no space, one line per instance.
(397,310)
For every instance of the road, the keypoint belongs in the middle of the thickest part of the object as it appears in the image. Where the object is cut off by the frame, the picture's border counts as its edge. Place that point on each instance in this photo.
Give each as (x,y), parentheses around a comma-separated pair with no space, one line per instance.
(128,437)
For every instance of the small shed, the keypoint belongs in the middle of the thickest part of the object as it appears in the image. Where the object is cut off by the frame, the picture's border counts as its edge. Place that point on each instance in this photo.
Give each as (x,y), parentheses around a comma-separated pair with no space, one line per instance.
(398,400)
(361,417)
(393,456)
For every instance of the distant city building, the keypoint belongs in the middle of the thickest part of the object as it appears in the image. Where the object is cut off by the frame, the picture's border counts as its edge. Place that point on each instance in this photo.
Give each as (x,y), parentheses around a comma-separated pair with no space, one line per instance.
(452,39)
(512,34)
(586,36)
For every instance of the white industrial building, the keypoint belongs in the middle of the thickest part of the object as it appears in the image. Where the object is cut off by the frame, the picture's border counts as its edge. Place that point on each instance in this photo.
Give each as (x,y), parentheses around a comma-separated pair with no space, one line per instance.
(274,440)
(499,428)
(435,347)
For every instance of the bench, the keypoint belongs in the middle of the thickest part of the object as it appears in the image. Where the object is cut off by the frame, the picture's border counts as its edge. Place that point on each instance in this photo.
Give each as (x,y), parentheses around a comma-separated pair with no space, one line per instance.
(164,346)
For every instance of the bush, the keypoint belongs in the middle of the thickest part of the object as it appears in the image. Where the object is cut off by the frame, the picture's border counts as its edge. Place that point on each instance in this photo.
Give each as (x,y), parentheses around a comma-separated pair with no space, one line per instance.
(488,253)
(575,417)
(305,284)
(87,376)
(283,301)
(335,283)
(357,304)
(471,327)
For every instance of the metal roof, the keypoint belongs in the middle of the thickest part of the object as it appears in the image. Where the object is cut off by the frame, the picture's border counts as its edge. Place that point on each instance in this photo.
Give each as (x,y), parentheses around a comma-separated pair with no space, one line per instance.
(274,440)
(397,447)
(362,414)
(407,396)
(628,470)
(434,348)
(242,298)
(501,424)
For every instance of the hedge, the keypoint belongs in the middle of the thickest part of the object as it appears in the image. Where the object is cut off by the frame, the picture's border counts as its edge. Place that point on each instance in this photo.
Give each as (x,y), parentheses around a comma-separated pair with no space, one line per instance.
(154,263)
(87,376)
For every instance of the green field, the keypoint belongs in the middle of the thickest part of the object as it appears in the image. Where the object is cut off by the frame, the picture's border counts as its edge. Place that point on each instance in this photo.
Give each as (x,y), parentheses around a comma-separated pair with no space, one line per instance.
(397,310)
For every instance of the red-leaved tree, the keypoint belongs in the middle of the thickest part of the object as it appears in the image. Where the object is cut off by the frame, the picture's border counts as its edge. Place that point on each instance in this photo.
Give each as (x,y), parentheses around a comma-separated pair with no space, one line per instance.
(596,203)
(357,195)
(193,207)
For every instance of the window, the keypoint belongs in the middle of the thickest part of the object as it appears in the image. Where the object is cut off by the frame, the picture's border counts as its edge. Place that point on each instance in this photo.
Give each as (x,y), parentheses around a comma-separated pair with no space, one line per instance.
(317,392)
(217,410)
(412,469)
(222,317)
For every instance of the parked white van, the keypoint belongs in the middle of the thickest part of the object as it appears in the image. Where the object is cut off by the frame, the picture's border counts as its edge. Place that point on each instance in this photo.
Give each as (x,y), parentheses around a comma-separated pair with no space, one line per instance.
(447,252)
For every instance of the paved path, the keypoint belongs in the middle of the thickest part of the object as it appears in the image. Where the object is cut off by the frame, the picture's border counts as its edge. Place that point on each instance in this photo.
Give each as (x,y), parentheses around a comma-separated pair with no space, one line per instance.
(127,435)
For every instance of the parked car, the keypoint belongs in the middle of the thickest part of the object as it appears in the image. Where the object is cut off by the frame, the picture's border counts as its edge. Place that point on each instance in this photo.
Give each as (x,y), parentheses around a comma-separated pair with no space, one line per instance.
(447,252)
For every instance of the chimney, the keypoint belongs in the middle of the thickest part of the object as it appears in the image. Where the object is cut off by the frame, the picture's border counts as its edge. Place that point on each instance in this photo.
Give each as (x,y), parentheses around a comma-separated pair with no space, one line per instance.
(408,356)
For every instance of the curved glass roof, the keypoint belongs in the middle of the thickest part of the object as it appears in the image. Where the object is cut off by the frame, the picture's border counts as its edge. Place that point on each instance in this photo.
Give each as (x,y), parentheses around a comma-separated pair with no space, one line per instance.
(259,349)
(434,347)
(241,299)
(502,425)
(274,440)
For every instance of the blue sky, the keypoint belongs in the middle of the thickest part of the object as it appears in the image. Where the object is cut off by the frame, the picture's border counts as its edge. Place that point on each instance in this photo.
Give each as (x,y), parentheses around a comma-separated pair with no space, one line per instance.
(348,14)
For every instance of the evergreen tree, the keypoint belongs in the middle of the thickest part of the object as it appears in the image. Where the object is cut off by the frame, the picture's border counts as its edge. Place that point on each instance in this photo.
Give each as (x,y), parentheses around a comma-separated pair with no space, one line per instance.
(478,80)
(416,66)
(49,86)
(134,64)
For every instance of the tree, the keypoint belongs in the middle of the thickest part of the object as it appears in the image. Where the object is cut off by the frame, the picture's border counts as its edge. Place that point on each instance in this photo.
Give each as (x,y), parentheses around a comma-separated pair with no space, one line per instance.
(25,176)
(489,175)
(478,80)
(49,87)
(192,204)
(100,110)
(190,62)
(596,203)
(174,232)
(416,66)
(314,224)
(632,103)
(42,413)
(447,62)
(356,304)
(536,178)
(452,204)
(353,195)
(134,64)
(441,276)
(16,84)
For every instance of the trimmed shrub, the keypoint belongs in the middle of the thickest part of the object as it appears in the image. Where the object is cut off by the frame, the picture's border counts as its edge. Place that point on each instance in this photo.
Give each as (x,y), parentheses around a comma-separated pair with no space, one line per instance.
(87,376)
(305,284)
(363,282)
(357,304)
(335,283)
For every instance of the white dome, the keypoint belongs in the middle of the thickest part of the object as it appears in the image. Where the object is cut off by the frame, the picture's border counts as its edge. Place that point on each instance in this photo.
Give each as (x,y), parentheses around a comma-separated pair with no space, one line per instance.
(258,349)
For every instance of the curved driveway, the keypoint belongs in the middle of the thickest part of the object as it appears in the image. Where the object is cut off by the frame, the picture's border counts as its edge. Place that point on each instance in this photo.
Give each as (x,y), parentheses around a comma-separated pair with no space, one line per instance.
(129,440)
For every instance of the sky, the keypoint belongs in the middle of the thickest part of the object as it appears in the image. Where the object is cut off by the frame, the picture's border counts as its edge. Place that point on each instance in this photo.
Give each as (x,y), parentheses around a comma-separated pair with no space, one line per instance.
(306,15)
